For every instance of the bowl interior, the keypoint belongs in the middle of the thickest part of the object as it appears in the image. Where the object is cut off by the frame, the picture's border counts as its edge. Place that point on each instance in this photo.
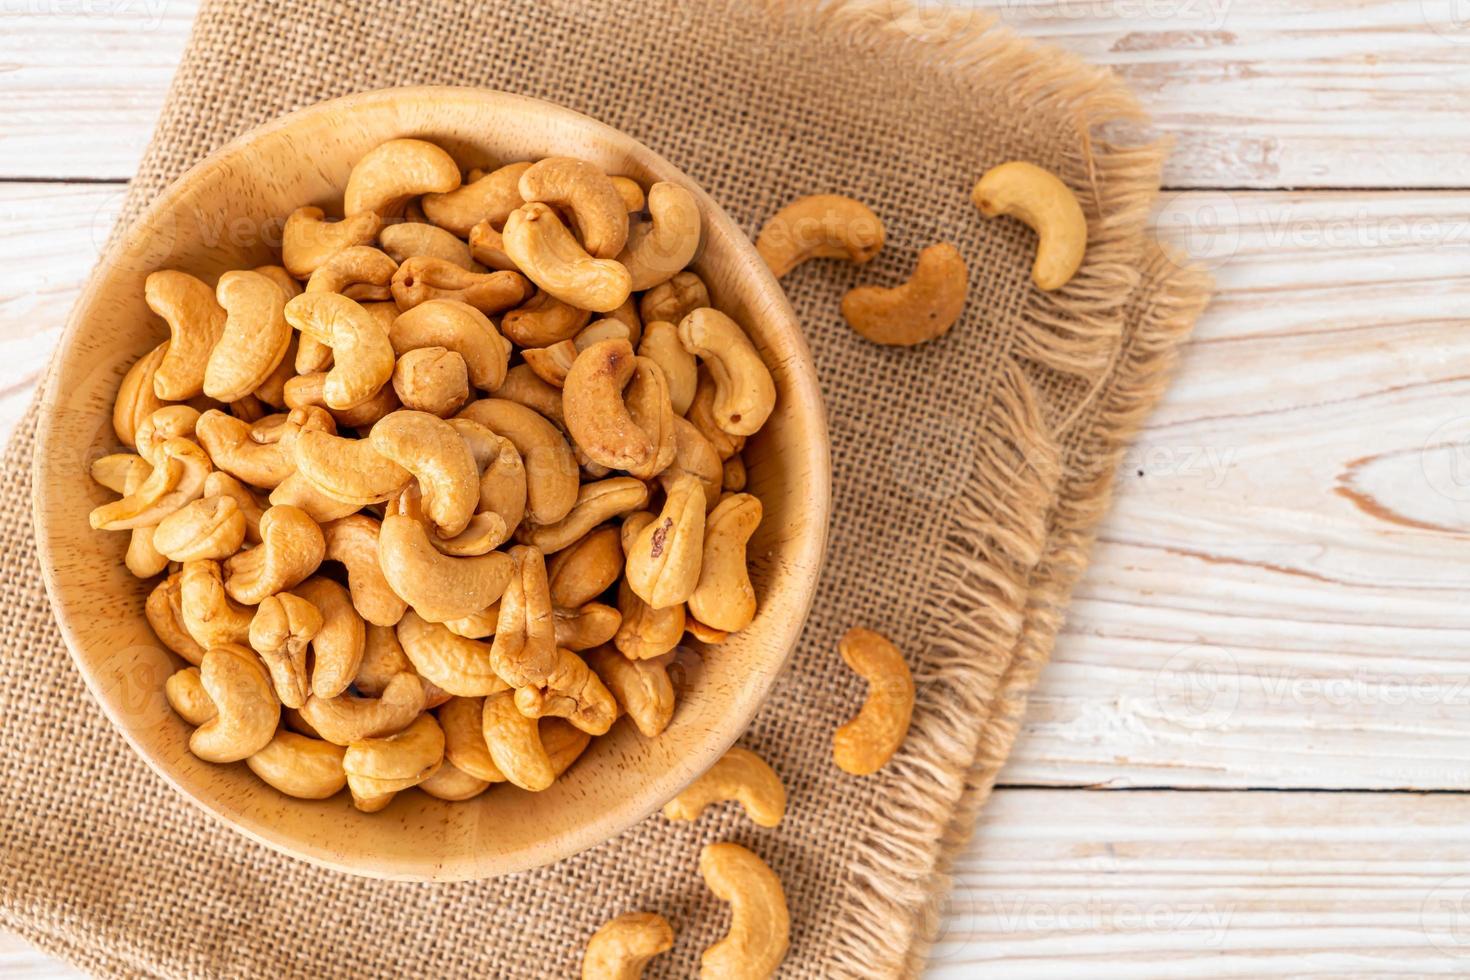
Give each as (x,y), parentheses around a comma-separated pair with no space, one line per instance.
(227,213)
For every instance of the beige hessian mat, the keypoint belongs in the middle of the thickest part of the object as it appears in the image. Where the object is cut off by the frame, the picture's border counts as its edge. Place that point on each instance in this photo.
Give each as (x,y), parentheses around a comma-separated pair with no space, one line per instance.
(969,473)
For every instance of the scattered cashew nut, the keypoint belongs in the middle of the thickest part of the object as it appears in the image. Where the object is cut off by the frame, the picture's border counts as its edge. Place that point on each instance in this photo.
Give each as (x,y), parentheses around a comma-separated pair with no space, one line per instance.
(740,775)
(821,226)
(921,309)
(760,925)
(865,744)
(620,949)
(1040,199)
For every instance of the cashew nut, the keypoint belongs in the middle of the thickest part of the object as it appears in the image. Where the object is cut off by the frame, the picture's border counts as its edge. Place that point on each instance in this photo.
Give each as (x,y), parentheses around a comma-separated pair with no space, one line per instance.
(453,784)
(437,586)
(571,691)
(744,392)
(543,320)
(597,416)
(552,479)
(408,239)
(487,246)
(353,541)
(452,663)
(362,356)
(588,194)
(760,925)
(681,371)
(254,339)
(423,278)
(491,197)
(435,453)
(186,695)
(177,479)
(306,768)
(210,527)
(732,475)
(221,484)
(642,688)
(112,470)
(458,327)
(646,632)
(542,247)
(308,239)
(229,442)
(740,775)
(297,491)
(291,547)
(585,570)
(143,558)
(206,610)
(476,626)
(672,301)
(1040,199)
(309,391)
(462,720)
(622,948)
(346,719)
(586,626)
(724,597)
(283,627)
(551,364)
(392,172)
(136,398)
(694,456)
(169,422)
(392,763)
(921,309)
(821,226)
(338,646)
(666,243)
(360,273)
(195,322)
(529,755)
(524,387)
(433,380)
(165,612)
(865,744)
(247,711)
(349,470)
(382,660)
(502,477)
(665,560)
(596,502)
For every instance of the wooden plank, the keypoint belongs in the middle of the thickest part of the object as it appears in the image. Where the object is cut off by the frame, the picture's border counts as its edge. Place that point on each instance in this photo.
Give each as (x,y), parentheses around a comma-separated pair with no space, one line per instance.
(1257,94)
(21,961)
(1144,885)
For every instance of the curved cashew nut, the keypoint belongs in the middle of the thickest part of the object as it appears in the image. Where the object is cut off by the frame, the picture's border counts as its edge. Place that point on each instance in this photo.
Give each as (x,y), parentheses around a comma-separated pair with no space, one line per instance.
(283,627)
(136,397)
(362,355)
(392,172)
(724,597)
(177,479)
(593,200)
(143,558)
(865,744)
(542,247)
(740,775)
(585,570)
(1040,199)
(551,364)
(491,198)
(186,695)
(247,711)
(646,632)
(652,410)
(346,719)
(642,688)
(672,301)
(502,476)
(596,502)
(433,380)
(404,759)
(169,422)
(349,470)
(290,549)
(487,246)
(360,273)
(464,738)
(353,541)
(622,948)
(297,491)
(701,415)
(665,244)
(524,387)
(458,327)
(437,586)
(821,226)
(694,456)
(382,660)
(681,371)
(228,442)
(165,612)
(552,478)
(452,663)
(760,925)
(921,309)
(338,646)
(210,527)
(476,626)
(631,192)
(572,691)
(515,744)
(423,278)
(524,651)
(587,626)
(666,557)
(308,239)
(407,239)
(306,768)
(309,391)
(439,458)
(222,484)
(453,784)
(543,320)
(745,395)
(208,613)
(597,416)
(195,322)
(254,339)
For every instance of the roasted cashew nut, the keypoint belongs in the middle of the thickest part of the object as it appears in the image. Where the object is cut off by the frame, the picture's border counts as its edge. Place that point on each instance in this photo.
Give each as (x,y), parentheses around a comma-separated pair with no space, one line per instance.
(456,665)
(645,632)
(392,172)
(404,759)
(165,612)
(382,660)
(666,557)
(1040,199)
(596,502)
(195,322)
(353,541)
(338,646)
(423,278)
(207,612)
(349,470)
(221,484)
(724,597)
(360,273)
(433,380)
(169,422)
(143,558)
(177,479)
(453,784)
(745,395)
(346,719)
(186,695)
(551,364)
(865,744)
(694,456)
(458,327)
(437,586)
(490,198)
(309,240)
(230,444)
(210,527)
(681,371)
(740,775)
(502,477)
(408,239)
(464,739)
(291,547)
(255,336)
(542,248)
(641,687)
(524,387)
(297,491)
(136,398)
(672,301)
(309,391)
(247,711)
(301,767)
(586,626)
(543,320)
(572,691)
(281,631)
(583,571)
(701,415)
(665,244)
(821,226)
(596,415)
(438,457)
(552,480)
(361,353)
(589,195)
(622,948)
(760,925)
(732,474)
(921,309)
(522,749)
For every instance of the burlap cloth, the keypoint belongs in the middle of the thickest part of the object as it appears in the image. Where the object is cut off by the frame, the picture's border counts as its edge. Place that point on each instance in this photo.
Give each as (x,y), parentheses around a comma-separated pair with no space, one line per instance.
(969,474)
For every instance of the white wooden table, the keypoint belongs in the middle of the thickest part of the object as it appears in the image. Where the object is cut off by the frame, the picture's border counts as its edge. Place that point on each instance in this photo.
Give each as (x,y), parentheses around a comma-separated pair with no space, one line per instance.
(1252,752)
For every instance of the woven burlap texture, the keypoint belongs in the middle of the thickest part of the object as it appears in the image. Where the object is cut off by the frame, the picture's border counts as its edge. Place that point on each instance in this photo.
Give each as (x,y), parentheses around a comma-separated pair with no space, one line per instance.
(968,474)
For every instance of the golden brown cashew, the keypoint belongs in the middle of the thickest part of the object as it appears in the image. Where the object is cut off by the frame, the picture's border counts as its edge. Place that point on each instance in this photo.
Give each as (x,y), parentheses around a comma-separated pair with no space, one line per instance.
(254,338)
(551,470)
(543,320)
(760,925)
(865,744)
(382,660)
(228,442)
(221,484)
(520,748)
(353,541)
(283,627)
(681,371)
(702,416)
(649,405)
(476,626)
(308,239)
(177,479)
(195,322)
(583,571)
(165,612)
(744,392)
(136,399)
(672,301)
(437,586)
(491,198)
(433,380)
(346,719)
(297,491)
(452,663)
(596,502)
(666,243)
(622,948)
(627,313)
(524,651)
(642,688)
(464,738)
(143,559)
(438,457)
(247,711)
(186,695)
(349,470)
(169,422)
(423,278)
(309,391)
(407,757)
(724,597)
(665,559)
(921,309)
(408,239)
(502,476)
(524,387)
(645,632)
(453,784)
(487,246)
(542,247)
(360,273)
(112,470)
(290,549)
(306,768)
(551,364)
(362,355)
(597,417)
(586,626)
(694,456)
(392,172)
(1040,199)
(338,646)
(732,474)
(740,775)
(589,195)
(211,618)
(458,327)
(571,691)
(631,192)
(210,527)
(821,226)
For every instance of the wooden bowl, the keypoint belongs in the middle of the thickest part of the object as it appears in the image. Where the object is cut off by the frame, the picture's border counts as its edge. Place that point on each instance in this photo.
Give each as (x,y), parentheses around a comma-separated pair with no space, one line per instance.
(226,213)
